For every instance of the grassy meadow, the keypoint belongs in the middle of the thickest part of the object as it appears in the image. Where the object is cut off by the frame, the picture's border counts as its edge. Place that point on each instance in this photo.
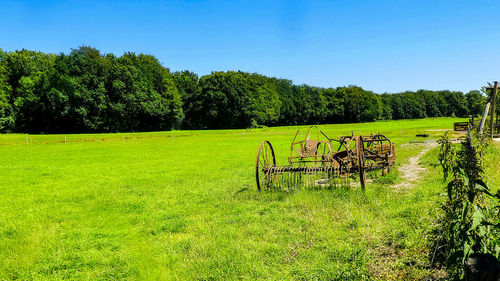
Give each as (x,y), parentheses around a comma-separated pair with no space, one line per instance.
(183,205)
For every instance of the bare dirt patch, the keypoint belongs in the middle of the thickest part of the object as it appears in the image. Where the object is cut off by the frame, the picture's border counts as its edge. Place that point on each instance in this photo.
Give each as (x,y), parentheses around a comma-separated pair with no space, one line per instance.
(412,170)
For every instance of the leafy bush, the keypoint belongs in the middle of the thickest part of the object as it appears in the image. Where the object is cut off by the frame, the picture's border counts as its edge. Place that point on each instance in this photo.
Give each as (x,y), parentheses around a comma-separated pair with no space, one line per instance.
(468,224)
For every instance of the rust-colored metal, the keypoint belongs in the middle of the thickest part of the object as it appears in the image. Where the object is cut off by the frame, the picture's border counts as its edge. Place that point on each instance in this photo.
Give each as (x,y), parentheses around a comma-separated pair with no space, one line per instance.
(265,161)
(318,162)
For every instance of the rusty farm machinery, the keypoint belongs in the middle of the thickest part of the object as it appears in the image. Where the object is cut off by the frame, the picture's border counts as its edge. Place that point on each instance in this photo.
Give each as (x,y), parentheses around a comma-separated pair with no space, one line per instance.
(323,161)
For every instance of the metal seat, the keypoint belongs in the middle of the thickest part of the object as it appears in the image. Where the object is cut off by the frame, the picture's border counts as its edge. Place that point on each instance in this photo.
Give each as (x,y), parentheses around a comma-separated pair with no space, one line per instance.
(309,149)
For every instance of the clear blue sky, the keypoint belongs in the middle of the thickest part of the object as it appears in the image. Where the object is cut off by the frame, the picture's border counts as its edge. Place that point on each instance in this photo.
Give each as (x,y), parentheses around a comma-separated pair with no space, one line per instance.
(384,46)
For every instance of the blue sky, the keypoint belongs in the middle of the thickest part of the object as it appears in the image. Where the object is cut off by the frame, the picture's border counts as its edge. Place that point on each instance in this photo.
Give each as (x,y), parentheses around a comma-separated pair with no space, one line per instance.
(384,46)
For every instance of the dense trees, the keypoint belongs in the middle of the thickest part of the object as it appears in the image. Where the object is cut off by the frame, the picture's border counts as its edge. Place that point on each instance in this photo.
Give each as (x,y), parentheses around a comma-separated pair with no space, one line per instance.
(28,74)
(475,102)
(236,100)
(86,91)
(6,119)
(361,105)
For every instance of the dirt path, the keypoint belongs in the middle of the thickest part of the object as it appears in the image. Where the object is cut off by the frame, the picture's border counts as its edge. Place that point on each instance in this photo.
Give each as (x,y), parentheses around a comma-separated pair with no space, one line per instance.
(411,171)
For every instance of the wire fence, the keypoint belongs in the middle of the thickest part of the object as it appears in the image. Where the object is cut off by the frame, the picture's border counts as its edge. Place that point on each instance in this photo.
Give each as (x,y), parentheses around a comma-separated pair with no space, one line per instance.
(32,139)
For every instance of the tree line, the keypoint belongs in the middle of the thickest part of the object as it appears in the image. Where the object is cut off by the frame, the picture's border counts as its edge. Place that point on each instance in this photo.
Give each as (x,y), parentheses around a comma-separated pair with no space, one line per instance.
(87,91)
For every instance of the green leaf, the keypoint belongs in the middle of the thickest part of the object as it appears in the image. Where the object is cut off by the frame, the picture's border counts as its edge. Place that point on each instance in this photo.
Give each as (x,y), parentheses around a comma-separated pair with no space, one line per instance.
(482,183)
(467,250)
(477,217)
(482,230)
(464,212)
(483,187)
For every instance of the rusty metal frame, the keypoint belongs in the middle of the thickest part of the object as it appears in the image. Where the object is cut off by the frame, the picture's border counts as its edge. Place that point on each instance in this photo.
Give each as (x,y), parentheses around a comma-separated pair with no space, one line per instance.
(355,154)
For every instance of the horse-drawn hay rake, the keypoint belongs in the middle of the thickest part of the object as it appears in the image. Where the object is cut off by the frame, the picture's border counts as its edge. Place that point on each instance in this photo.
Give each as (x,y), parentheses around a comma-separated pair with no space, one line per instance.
(325,162)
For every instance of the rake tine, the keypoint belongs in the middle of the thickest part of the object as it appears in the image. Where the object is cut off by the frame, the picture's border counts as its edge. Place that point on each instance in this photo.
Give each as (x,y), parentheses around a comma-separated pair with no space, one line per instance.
(280,185)
(286,176)
(278,182)
(309,177)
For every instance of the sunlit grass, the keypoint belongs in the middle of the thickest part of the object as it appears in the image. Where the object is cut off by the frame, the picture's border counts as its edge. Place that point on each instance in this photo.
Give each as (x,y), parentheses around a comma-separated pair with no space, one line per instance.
(183,205)
(491,167)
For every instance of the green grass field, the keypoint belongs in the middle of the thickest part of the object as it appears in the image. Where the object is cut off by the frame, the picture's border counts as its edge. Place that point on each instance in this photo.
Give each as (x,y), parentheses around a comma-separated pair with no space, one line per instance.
(183,205)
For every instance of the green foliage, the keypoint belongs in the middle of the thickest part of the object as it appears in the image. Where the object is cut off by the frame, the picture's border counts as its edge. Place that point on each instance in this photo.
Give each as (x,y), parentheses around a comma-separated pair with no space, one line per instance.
(469,225)
(187,84)
(28,76)
(475,102)
(6,119)
(233,99)
(361,105)
(86,91)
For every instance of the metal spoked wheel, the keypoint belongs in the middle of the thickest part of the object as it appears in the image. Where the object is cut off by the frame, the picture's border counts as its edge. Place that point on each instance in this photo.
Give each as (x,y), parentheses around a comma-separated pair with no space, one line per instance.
(265,161)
